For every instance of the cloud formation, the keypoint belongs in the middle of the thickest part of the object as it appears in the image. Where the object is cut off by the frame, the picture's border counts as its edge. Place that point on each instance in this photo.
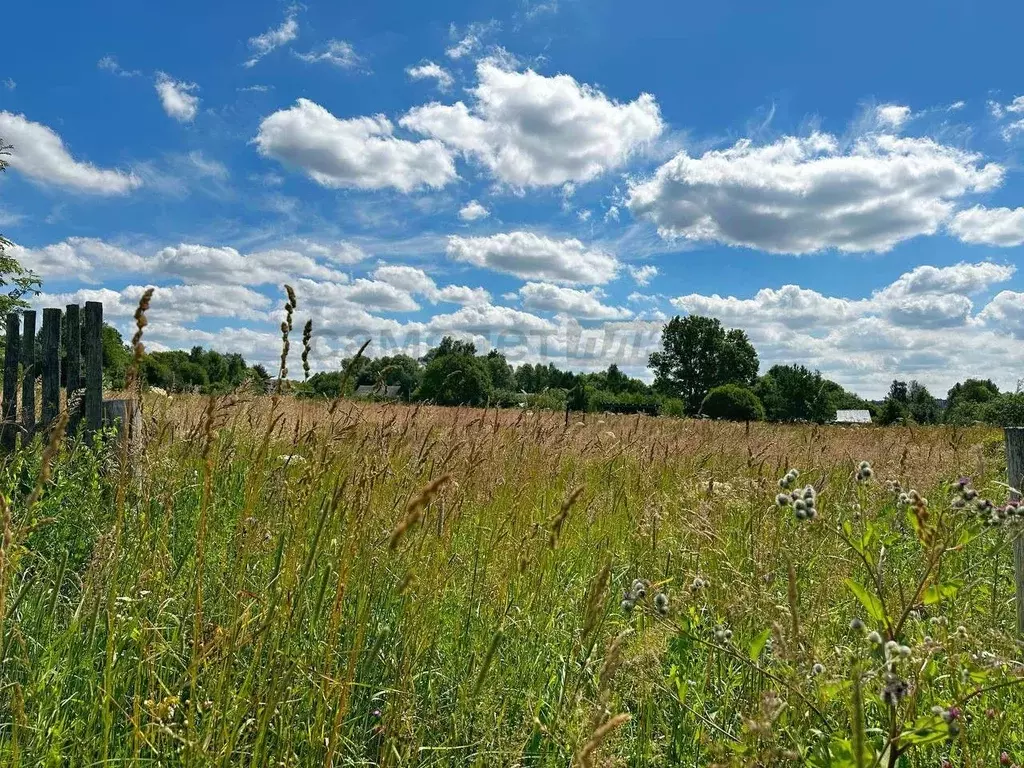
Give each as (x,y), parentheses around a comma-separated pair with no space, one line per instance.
(41,155)
(529,130)
(535,257)
(803,195)
(359,152)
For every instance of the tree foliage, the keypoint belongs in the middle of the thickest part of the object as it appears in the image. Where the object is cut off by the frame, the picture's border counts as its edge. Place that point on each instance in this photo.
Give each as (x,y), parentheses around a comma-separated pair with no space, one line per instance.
(698,354)
(456,378)
(733,403)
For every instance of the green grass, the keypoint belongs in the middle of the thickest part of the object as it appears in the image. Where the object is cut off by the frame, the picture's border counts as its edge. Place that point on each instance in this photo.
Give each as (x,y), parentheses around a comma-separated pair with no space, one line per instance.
(253,588)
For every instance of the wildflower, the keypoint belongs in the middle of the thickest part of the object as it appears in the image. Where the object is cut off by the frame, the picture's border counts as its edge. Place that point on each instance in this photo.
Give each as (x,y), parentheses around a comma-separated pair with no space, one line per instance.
(961,632)
(895,690)
(874,638)
(661,603)
(698,584)
(856,625)
(782,500)
(1004,758)
(818,669)
(864,472)
(627,605)
(638,590)
(904,651)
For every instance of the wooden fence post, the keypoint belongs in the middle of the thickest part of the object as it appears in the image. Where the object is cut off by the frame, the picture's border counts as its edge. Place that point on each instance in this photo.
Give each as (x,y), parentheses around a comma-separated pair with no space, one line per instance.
(51,366)
(28,377)
(10,407)
(1015,477)
(93,343)
(73,372)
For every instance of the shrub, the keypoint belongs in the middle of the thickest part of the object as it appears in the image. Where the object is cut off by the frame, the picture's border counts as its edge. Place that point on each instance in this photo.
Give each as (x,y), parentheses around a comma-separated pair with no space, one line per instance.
(673,406)
(734,403)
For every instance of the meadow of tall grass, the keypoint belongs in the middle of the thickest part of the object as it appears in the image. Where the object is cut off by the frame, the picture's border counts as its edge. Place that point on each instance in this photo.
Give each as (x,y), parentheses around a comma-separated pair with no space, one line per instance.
(264,581)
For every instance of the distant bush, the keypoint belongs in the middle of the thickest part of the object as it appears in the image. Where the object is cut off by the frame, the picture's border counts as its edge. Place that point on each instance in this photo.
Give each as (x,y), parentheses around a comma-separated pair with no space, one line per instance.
(1005,410)
(673,406)
(734,403)
(548,400)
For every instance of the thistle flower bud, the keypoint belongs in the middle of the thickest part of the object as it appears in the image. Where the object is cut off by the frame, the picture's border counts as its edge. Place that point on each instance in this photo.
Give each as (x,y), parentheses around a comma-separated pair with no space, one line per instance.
(661,603)
(638,590)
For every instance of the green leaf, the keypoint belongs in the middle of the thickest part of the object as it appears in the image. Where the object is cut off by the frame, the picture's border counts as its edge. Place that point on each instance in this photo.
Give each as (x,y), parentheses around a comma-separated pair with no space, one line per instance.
(930,729)
(871,603)
(758,644)
(938,592)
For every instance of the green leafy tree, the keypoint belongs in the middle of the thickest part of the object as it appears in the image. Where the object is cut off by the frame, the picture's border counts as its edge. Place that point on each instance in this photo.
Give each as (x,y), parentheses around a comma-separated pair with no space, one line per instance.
(896,406)
(924,409)
(322,384)
(499,369)
(397,370)
(1005,410)
(733,403)
(796,393)
(971,391)
(117,356)
(456,379)
(449,346)
(698,354)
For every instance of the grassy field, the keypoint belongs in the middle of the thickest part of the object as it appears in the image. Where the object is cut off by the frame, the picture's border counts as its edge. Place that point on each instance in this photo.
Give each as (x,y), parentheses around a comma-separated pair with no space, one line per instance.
(279,582)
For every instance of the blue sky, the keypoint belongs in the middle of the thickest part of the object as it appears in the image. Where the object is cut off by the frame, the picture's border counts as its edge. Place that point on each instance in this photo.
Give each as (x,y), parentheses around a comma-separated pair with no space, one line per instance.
(552,177)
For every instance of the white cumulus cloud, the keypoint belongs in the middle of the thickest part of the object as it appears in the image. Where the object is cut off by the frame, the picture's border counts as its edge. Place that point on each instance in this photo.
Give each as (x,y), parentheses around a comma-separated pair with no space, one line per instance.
(531,256)
(584,305)
(802,195)
(892,115)
(41,154)
(989,226)
(359,152)
(530,130)
(644,274)
(472,211)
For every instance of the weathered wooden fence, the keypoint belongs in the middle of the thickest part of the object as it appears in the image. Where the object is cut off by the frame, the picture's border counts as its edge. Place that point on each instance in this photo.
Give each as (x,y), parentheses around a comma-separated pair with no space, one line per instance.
(83,342)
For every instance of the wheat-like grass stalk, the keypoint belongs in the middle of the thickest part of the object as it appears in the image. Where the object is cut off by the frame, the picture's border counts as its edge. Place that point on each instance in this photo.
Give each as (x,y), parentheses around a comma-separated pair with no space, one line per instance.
(138,349)
(560,517)
(414,509)
(286,329)
(307,335)
(585,758)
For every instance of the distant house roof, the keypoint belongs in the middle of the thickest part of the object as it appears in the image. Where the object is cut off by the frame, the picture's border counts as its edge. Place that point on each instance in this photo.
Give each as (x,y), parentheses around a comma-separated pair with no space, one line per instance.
(376,390)
(853,417)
